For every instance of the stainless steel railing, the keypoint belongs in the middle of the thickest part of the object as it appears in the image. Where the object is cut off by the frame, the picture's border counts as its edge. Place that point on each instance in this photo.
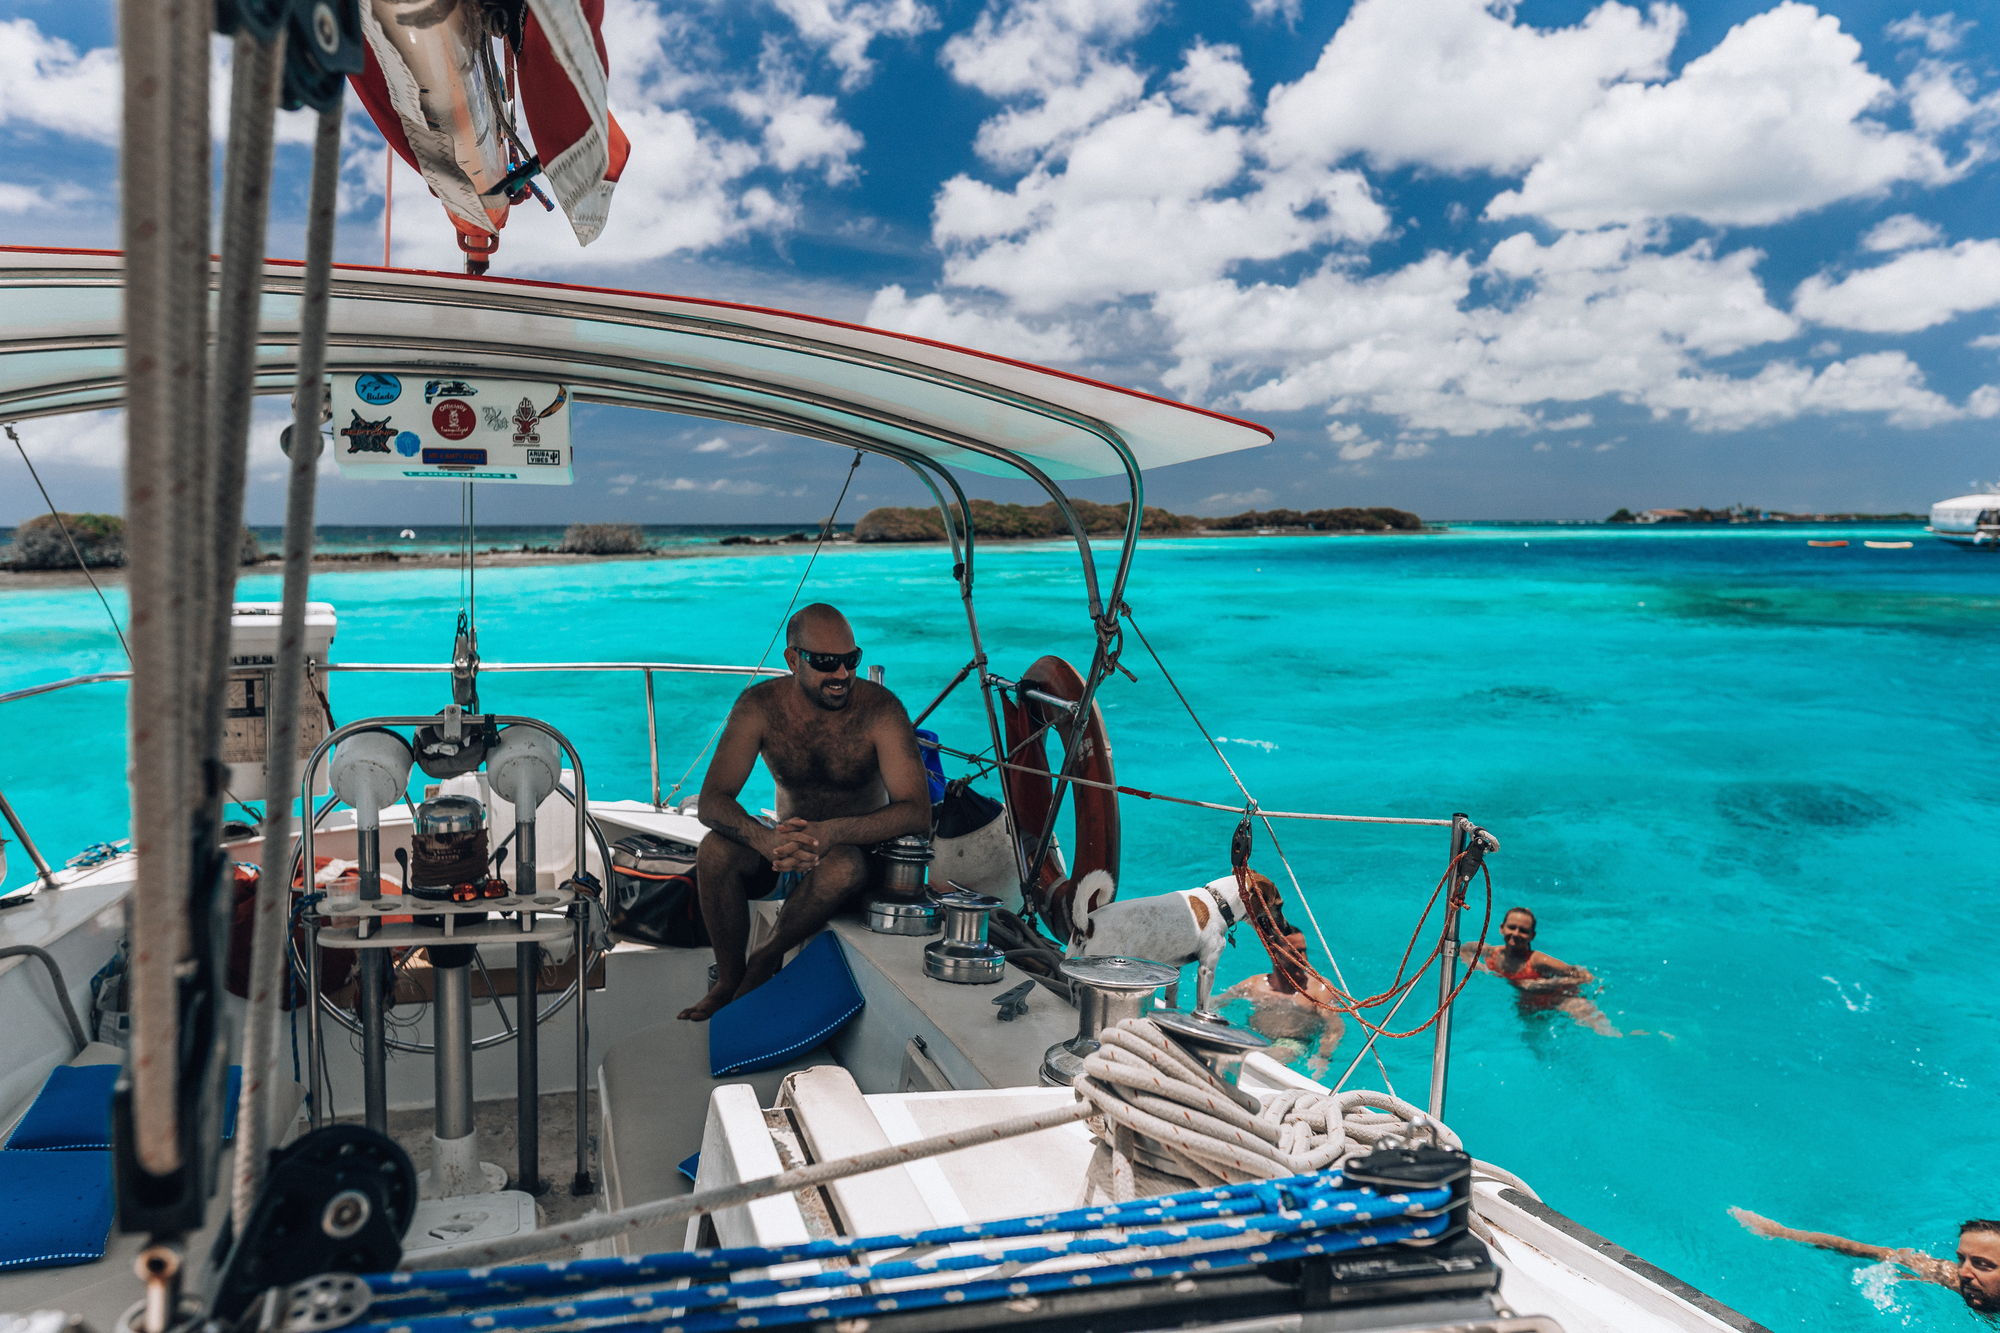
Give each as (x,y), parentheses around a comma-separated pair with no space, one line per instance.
(647,670)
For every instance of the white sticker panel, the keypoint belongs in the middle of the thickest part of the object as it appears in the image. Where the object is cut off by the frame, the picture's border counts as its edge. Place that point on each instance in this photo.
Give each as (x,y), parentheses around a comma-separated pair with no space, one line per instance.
(390,427)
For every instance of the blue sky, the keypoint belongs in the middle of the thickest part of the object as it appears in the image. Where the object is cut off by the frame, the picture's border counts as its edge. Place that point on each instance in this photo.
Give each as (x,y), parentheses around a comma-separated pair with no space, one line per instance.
(1477,260)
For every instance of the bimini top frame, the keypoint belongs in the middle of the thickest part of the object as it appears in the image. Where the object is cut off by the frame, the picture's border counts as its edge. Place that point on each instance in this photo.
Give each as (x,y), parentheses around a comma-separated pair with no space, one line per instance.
(908,397)
(60,313)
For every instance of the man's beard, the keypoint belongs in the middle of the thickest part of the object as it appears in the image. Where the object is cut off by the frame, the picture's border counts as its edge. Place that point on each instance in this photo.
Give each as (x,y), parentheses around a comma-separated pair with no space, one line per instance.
(834,704)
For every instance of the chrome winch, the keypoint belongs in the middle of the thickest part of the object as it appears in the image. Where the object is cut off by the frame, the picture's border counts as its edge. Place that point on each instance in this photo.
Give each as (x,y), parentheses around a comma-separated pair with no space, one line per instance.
(964,955)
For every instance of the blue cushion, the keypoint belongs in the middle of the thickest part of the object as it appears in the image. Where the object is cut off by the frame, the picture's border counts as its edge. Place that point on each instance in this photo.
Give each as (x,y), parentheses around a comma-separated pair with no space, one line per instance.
(811,998)
(73,1110)
(690,1166)
(55,1207)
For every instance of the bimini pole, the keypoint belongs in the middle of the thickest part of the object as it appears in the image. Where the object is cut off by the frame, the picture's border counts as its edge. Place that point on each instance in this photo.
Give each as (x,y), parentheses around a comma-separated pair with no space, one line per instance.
(257,1112)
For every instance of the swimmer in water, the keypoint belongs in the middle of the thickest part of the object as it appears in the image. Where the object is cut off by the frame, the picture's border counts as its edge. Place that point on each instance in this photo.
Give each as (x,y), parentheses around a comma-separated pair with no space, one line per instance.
(1543,982)
(1974,1274)
(1280,1008)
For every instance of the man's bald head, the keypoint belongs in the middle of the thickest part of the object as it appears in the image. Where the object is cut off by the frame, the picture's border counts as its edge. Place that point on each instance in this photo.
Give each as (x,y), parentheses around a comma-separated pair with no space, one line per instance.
(820,628)
(819,646)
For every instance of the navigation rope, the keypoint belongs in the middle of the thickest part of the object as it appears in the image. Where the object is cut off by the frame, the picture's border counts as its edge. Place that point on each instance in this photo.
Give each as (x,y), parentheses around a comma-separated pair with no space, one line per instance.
(825,534)
(63,528)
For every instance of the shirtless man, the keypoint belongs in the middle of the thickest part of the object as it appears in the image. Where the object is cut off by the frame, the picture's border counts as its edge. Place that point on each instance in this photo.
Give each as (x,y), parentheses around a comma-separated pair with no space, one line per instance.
(1974,1273)
(845,761)
(1280,1011)
(1543,982)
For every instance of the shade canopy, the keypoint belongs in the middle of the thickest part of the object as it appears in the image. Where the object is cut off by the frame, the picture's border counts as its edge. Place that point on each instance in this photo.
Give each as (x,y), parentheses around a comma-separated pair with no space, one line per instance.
(60,351)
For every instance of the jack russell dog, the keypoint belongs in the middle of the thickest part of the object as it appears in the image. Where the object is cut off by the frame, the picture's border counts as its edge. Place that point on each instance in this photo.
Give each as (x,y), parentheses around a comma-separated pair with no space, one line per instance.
(1176,928)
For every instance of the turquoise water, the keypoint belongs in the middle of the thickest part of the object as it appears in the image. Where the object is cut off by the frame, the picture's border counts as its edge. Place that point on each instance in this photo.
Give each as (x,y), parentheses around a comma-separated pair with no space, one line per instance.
(1743,780)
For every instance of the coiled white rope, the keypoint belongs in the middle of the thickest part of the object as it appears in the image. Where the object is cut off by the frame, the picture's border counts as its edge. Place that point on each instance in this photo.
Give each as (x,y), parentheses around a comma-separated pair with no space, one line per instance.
(1164,1120)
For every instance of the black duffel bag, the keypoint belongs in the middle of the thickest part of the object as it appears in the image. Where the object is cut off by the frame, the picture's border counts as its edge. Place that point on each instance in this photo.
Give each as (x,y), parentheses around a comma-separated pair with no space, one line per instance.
(652,897)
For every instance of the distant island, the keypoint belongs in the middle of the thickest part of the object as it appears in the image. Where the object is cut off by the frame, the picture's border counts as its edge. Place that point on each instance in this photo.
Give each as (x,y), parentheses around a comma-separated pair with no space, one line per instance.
(994,520)
(1752,514)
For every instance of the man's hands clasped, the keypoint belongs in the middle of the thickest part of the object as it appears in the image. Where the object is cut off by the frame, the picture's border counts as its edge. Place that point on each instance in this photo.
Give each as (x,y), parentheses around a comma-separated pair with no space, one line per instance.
(791,847)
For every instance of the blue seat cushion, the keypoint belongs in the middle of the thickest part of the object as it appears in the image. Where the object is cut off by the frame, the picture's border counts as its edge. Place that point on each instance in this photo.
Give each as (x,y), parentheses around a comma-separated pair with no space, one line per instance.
(690,1166)
(73,1110)
(811,998)
(55,1208)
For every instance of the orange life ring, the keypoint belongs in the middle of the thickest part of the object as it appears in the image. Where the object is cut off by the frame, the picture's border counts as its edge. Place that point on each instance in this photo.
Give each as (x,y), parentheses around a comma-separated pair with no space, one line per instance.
(1030,786)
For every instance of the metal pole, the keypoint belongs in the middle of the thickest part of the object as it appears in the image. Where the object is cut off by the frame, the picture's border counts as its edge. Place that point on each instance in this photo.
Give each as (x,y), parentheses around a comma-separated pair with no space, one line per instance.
(452,1031)
(311,1002)
(581,1184)
(1447,966)
(27,844)
(652,739)
(527,1037)
(374,1029)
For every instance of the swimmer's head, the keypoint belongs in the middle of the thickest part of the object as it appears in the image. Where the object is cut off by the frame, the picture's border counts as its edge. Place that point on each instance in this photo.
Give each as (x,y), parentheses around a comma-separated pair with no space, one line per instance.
(1979,1263)
(1517,928)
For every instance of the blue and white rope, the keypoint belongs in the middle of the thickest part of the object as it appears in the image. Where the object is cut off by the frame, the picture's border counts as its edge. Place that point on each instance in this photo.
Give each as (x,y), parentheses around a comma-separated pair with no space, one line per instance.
(1313,1214)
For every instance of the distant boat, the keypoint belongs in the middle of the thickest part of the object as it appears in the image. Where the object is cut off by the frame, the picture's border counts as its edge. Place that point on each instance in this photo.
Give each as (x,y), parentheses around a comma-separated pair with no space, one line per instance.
(1971,521)
(1889,546)
(1810,542)
(408,532)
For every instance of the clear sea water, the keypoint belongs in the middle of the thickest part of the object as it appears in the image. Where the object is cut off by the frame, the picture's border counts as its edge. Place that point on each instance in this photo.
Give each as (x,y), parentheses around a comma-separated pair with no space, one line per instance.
(1745,781)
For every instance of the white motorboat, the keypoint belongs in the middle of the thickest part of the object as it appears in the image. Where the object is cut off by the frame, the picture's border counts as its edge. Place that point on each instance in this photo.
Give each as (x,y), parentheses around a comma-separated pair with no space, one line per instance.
(876,1144)
(1970,521)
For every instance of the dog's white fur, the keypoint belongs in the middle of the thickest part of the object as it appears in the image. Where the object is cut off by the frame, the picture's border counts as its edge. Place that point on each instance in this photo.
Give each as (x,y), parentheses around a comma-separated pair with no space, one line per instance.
(1176,928)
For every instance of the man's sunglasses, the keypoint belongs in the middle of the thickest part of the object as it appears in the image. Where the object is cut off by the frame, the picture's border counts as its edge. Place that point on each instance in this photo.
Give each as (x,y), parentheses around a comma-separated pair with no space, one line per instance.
(828,662)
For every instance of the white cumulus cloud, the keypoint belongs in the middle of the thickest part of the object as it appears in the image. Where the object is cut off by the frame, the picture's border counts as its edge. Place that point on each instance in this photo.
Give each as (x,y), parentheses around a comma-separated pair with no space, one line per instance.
(932,316)
(1771,123)
(1212,81)
(1034,47)
(1106,222)
(1901,231)
(1915,290)
(845,29)
(1459,85)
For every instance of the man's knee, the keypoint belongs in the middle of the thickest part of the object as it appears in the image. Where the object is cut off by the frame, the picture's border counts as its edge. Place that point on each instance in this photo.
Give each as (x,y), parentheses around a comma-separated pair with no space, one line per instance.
(721,860)
(841,871)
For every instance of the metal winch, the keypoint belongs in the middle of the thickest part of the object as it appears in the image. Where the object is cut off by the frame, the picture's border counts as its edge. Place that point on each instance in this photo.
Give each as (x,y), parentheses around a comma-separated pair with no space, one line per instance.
(1213,1040)
(1108,991)
(899,905)
(963,955)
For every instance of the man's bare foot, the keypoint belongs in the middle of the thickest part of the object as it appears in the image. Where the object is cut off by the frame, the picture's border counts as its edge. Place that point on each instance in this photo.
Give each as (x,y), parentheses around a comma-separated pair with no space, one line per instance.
(721,993)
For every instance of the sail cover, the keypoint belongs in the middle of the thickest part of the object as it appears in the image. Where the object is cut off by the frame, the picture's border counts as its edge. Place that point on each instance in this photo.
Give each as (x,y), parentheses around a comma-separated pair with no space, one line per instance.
(60,333)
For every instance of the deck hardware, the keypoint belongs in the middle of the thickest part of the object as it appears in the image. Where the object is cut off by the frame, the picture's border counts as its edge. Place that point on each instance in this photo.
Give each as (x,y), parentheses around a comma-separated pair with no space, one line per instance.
(336,1200)
(1108,991)
(331,1300)
(1014,1003)
(1213,1040)
(964,956)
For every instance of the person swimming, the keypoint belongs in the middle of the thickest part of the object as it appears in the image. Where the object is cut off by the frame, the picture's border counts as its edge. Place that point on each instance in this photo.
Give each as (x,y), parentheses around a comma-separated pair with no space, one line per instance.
(1974,1273)
(1543,982)
(1282,1008)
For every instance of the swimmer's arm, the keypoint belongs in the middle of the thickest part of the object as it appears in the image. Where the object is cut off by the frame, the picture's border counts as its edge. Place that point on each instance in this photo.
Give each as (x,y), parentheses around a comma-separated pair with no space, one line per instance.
(1557,975)
(1925,1266)
(909,807)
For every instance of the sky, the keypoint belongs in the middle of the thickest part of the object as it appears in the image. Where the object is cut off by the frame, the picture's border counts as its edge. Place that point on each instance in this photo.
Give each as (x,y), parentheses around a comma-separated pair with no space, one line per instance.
(1478,260)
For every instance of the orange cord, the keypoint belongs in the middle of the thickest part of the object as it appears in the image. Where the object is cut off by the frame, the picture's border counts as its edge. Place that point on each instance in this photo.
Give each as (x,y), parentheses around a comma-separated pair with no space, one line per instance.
(1259,895)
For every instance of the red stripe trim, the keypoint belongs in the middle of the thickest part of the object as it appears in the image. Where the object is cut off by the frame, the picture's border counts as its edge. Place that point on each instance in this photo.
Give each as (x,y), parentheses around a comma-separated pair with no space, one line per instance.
(712,304)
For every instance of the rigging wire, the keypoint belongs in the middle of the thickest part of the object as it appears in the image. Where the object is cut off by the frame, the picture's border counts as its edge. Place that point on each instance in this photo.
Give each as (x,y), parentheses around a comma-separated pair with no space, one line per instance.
(64,529)
(825,534)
